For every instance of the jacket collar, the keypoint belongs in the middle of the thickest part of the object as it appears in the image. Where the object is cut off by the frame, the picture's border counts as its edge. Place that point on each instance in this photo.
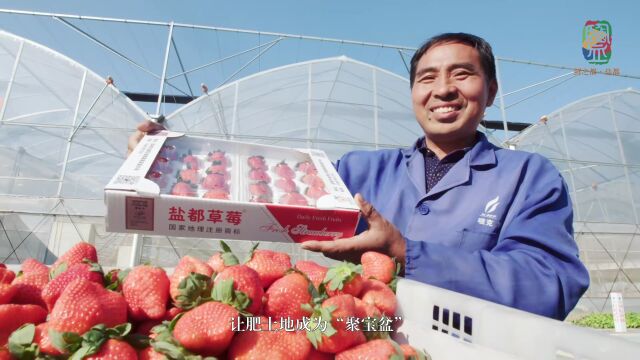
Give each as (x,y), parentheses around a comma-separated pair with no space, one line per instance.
(482,153)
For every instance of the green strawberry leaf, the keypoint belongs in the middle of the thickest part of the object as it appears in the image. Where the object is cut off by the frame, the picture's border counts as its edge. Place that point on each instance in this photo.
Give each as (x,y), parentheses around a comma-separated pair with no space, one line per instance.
(228,257)
(393,284)
(253,249)
(21,344)
(339,275)
(194,290)
(66,342)
(83,352)
(320,324)
(223,291)
(58,270)
(119,331)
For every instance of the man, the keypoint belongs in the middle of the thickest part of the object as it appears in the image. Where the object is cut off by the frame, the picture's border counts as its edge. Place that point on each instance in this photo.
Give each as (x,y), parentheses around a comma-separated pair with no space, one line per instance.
(456,211)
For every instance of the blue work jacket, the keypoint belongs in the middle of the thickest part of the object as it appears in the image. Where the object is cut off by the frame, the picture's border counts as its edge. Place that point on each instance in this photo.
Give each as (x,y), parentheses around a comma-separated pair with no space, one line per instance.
(497,226)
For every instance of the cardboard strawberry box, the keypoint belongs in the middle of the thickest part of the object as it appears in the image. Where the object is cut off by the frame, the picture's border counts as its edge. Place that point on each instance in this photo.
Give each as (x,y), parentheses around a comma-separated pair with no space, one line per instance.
(178,185)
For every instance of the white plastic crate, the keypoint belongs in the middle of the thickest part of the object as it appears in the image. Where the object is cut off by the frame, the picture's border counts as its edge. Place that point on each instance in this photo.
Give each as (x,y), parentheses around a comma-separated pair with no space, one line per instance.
(449,325)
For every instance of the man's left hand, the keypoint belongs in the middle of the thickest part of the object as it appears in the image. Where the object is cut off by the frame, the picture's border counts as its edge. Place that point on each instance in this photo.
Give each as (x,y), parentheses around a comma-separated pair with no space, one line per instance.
(382,236)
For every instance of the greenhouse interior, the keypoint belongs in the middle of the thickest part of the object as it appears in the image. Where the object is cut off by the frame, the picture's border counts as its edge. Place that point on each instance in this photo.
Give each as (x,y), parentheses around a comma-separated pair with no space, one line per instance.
(64,131)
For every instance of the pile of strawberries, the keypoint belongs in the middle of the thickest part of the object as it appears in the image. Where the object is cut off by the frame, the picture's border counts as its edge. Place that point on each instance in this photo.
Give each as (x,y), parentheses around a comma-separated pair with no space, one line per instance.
(264,308)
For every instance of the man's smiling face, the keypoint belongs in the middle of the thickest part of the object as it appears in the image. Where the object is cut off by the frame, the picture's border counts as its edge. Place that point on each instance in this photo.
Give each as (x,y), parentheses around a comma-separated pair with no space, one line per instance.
(450,93)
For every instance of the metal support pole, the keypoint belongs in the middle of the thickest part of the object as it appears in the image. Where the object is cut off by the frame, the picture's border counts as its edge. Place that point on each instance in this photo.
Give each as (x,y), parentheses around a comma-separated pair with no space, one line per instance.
(502,108)
(164,68)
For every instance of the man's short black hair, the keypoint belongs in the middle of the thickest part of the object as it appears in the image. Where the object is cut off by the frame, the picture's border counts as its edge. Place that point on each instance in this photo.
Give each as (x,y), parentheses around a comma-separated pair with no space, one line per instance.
(484,49)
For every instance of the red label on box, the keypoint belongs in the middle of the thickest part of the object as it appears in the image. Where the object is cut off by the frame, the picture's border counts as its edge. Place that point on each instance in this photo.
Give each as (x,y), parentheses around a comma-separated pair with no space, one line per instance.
(303,224)
(139,213)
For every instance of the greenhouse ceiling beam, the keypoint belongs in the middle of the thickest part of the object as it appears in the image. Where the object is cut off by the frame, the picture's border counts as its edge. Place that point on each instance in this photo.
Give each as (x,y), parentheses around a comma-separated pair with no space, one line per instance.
(249,62)
(153,97)
(114,51)
(221,60)
(268,33)
(205,27)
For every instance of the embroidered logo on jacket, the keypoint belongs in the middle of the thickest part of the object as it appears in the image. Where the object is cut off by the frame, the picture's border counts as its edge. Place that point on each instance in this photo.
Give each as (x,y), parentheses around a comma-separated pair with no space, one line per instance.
(487,218)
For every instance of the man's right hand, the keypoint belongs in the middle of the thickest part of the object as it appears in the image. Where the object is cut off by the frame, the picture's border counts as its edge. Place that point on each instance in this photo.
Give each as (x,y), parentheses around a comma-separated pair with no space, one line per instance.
(142,129)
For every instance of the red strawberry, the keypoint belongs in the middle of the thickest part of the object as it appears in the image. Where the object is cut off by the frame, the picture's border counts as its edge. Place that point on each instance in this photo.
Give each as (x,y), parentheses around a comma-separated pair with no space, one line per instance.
(12,316)
(260,188)
(6,276)
(378,266)
(284,299)
(183,189)
(257,162)
(75,255)
(275,344)
(318,355)
(186,266)
(84,304)
(306,167)
(172,312)
(146,290)
(114,349)
(344,278)
(5,354)
(161,164)
(30,282)
(218,168)
(380,295)
(191,161)
(270,265)
(189,176)
(313,181)
(315,193)
(259,175)
(314,271)
(381,349)
(216,262)
(286,185)
(52,291)
(215,181)
(343,338)
(32,266)
(293,198)
(7,291)
(217,155)
(207,329)
(365,310)
(246,280)
(150,354)
(218,194)
(220,260)
(284,171)
(43,340)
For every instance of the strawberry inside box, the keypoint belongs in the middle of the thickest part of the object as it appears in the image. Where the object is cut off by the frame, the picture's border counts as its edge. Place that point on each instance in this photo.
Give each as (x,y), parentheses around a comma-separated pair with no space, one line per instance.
(179,185)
